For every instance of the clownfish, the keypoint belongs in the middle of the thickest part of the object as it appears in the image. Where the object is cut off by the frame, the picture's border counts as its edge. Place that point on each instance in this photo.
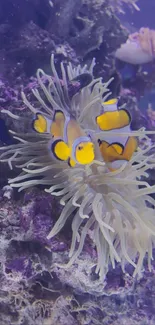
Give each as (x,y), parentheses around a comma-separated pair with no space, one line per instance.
(69,142)
(115,149)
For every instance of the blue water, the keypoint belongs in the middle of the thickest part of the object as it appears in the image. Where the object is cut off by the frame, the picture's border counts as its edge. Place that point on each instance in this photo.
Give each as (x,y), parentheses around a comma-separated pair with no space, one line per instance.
(142,18)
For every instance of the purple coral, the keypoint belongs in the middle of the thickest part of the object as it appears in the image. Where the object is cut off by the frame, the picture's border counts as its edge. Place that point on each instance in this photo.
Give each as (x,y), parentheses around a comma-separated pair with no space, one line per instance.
(21,265)
(36,219)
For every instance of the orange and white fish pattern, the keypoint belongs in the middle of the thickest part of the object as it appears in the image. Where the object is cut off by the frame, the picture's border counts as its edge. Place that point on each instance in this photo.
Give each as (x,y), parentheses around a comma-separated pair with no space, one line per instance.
(69,141)
(115,149)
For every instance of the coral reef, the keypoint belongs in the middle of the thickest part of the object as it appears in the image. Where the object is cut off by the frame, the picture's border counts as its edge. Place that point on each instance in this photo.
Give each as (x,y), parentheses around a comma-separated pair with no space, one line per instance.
(82,26)
(35,290)
(139,47)
(94,194)
(146,38)
(33,293)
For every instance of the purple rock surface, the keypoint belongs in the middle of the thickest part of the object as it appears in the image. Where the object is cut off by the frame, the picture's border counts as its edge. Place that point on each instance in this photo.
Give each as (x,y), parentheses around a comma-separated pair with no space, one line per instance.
(34,289)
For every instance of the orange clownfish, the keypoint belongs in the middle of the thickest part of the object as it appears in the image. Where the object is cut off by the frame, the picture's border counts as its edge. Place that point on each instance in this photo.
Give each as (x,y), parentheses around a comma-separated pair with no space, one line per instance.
(115,149)
(69,142)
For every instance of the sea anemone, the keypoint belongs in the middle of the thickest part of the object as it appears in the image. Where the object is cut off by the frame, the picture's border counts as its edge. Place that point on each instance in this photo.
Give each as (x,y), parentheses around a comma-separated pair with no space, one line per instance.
(116,207)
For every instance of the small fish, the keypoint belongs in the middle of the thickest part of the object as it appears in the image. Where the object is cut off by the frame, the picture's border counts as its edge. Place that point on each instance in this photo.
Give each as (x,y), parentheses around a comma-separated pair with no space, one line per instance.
(115,149)
(69,142)
(41,124)
(79,82)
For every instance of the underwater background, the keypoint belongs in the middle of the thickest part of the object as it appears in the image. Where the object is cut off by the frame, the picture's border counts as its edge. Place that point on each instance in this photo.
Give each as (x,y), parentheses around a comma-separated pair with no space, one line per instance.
(34,289)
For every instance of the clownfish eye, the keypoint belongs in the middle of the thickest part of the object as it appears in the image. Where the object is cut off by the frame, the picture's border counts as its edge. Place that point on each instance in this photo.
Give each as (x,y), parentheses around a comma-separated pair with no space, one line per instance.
(80,147)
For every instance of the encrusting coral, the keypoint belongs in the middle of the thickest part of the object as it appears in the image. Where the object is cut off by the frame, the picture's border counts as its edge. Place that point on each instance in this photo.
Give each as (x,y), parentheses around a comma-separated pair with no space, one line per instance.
(114,206)
(139,47)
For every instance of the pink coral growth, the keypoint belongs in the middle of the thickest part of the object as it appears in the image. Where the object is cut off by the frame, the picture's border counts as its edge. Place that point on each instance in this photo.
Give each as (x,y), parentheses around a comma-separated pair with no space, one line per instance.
(139,47)
(146,38)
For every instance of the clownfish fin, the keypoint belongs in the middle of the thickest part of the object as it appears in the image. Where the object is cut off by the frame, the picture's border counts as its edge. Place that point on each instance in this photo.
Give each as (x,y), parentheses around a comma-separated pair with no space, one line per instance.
(113,120)
(40,123)
(71,162)
(130,147)
(116,151)
(59,149)
(118,147)
(58,115)
(57,126)
(111,152)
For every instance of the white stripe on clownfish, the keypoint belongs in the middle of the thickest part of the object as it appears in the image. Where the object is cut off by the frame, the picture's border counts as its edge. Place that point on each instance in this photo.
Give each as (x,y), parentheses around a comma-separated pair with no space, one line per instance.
(112,135)
(69,141)
(114,148)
